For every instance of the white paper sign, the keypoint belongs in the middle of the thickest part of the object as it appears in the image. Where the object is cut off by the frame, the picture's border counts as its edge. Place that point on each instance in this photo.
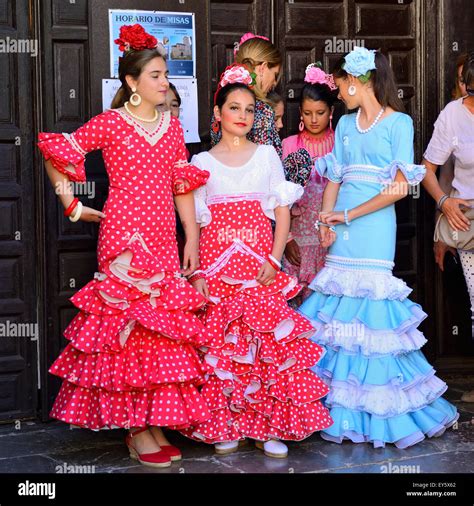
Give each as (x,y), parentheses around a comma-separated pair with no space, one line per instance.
(174,31)
(188,113)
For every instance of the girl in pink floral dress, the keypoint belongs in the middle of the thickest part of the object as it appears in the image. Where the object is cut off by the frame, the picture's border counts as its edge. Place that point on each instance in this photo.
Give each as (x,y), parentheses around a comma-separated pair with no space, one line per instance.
(131,360)
(304,256)
(258,353)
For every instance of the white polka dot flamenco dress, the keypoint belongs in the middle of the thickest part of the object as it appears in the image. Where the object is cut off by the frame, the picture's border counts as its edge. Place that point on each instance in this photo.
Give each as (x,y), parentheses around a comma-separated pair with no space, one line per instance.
(131,360)
(258,354)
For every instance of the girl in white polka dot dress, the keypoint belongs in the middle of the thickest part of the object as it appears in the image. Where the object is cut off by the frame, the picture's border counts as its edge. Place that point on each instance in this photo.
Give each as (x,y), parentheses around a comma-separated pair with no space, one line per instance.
(258,354)
(131,361)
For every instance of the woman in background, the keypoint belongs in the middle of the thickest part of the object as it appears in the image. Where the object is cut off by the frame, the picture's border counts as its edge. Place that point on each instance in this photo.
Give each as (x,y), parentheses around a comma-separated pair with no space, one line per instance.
(263,61)
(453,137)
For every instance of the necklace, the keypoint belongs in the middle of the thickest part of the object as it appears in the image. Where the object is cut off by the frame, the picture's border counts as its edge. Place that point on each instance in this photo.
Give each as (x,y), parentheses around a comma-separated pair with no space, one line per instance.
(139,118)
(376,120)
(316,147)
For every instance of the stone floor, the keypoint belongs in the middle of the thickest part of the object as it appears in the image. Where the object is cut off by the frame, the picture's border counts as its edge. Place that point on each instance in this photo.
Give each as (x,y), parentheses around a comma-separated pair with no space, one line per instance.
(54,447)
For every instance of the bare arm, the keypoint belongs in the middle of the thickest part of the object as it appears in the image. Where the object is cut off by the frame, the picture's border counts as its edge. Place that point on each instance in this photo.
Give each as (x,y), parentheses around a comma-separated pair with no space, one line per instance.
(185,207)
(266,274)
(454,215)
(282,228)
(62,187)
(330,196)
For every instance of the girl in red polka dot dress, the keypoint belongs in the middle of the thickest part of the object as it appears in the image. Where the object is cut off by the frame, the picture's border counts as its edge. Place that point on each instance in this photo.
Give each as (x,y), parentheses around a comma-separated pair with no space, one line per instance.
(258,355)
(131,360)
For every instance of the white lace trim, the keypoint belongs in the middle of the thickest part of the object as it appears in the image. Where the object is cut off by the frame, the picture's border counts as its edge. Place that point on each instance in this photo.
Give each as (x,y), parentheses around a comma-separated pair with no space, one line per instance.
(74,144)
(386,400)
(360,283)
(354,337)
(152,137)
(357,262)
(236,246)
(239,197)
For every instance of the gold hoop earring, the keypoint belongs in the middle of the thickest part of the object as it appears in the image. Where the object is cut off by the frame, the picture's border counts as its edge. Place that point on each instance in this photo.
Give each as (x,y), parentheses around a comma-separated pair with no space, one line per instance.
(135,98)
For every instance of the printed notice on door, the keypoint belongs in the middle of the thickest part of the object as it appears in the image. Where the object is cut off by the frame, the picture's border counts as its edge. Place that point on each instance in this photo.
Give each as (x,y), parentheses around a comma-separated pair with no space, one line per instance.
(175,32)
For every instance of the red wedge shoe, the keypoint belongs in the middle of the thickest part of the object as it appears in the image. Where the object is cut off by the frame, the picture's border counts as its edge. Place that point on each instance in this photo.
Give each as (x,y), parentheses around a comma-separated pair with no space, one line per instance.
(173,452)
(155,459)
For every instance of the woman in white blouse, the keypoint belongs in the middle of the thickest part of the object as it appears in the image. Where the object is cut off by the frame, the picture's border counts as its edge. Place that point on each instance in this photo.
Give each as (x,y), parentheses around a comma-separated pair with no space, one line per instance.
(454,136)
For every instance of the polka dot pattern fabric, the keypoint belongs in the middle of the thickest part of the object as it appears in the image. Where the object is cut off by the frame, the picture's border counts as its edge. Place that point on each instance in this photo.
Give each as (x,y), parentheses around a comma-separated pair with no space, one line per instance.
(132,359)
(258,353)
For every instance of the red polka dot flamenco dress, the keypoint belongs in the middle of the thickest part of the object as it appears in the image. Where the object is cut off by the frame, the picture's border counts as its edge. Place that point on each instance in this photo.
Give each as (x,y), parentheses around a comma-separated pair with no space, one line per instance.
(258,355)
(131,360)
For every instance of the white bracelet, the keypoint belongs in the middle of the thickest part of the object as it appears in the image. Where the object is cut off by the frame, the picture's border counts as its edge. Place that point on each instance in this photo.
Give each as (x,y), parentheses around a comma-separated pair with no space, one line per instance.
(273,259)
(77,214)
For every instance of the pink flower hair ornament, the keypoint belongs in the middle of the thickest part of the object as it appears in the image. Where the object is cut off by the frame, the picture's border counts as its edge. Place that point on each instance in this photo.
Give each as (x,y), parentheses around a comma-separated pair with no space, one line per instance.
(248,36)
(235,73)
(314,74)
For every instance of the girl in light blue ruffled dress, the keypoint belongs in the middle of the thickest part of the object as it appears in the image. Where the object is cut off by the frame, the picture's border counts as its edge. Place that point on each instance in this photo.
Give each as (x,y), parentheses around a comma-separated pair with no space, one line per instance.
(383,390)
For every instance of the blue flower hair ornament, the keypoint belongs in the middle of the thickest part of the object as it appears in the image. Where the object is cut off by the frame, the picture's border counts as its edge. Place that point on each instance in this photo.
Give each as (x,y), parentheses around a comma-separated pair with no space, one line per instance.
(359,63)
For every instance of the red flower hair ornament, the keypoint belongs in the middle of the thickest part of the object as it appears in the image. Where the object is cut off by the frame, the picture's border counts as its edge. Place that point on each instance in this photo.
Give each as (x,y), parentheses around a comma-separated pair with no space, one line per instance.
(134,37)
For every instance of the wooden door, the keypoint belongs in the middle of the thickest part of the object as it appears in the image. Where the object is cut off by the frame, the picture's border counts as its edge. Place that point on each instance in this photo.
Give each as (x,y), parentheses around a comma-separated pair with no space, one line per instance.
(75,59)
(446,292)
(229,21)
(19,331)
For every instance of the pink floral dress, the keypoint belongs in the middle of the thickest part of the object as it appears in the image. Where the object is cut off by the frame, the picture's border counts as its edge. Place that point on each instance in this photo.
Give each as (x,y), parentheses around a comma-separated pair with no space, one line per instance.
(131,360)
(305,212)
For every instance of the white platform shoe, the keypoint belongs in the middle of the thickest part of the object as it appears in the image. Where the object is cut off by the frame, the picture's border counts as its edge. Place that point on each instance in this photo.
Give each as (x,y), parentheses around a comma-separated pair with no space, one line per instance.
(226,447)
(273,448)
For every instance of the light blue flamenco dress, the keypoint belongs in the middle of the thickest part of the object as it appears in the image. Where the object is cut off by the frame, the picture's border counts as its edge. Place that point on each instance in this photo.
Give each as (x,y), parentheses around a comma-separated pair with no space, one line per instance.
(382,388)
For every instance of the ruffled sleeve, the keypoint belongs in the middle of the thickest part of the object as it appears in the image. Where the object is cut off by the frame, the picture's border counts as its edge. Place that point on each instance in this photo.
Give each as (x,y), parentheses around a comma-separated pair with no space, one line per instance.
(203,213)
(67,151)
(331,165)
(327,166)
(402,153)
(298,166)
(185,176)
(281,192)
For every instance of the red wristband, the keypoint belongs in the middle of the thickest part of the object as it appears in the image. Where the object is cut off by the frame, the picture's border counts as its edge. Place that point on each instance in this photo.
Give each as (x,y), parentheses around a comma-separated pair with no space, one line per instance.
(71,207)
(195,277)
(273,264)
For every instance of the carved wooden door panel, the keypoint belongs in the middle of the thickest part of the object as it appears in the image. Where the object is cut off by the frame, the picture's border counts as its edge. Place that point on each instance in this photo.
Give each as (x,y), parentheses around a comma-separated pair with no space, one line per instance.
(19,330)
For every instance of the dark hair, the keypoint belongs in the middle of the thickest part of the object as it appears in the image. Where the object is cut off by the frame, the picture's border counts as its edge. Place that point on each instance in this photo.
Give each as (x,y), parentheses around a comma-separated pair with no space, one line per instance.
(317,92)
(223,93)
(274,99)
(460,61)
(132,64)
(468,70)
(176,94)
(382,79)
